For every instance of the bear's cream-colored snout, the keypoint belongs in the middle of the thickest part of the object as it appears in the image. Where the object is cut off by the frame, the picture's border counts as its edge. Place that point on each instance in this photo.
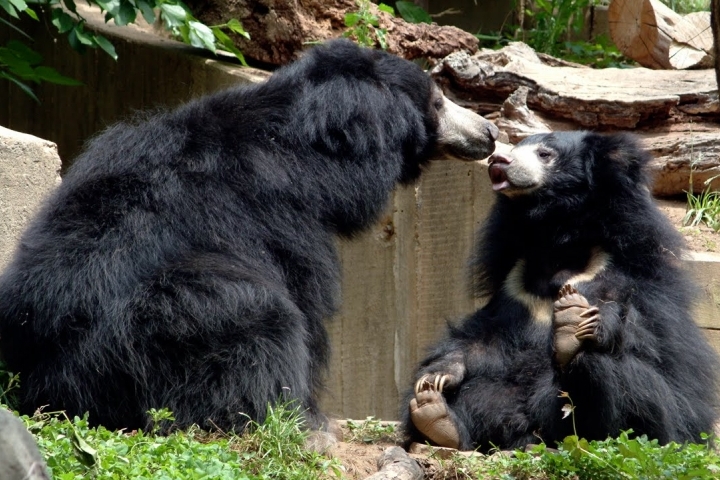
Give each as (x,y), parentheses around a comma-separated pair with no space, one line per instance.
(517,172)
(463,134)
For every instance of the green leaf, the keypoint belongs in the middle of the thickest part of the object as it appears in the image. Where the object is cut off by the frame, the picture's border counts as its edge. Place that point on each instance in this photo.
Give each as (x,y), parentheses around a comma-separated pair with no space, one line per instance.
(184,31)
(109,6)
(84,452)
(173,15)
(17,66)
(147,11)
(75,43)
(387,9)
(105,44)
(201,36)
(412,13)
(31,13)
(235,26)
(62,21)
(26,53)
(126,14)
(82,36)
(9,8)
(20,5)
(70,5)
(381,34)
(351,19)
(49,74)
(226,43)
(24,87)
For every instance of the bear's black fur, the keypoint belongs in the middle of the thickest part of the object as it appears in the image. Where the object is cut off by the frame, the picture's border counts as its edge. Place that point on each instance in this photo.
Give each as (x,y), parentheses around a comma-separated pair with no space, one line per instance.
(187,260)
(573,208)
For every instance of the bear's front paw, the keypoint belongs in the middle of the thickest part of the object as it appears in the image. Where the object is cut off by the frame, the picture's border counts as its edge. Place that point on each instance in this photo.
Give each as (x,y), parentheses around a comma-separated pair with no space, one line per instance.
(574,321)
(430,414)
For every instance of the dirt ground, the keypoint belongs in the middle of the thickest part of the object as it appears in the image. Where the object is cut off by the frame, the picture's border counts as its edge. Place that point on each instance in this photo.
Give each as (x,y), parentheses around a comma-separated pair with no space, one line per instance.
(698,239)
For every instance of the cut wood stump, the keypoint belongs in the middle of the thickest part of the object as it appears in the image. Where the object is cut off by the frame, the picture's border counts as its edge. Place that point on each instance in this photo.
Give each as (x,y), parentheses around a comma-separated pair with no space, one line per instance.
(656,37)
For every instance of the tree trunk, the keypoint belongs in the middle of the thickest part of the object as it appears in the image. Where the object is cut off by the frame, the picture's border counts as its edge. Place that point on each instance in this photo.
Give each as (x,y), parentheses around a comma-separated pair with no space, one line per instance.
(656,37)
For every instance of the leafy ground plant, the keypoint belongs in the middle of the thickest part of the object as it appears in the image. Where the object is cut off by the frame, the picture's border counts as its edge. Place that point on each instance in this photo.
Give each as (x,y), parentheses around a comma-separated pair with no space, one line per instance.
(625,457)
(273,450)
(363,26)
(703,208)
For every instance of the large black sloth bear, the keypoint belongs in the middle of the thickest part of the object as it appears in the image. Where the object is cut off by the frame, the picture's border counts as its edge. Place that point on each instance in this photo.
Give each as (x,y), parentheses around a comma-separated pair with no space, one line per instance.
(586,296)
(188,261)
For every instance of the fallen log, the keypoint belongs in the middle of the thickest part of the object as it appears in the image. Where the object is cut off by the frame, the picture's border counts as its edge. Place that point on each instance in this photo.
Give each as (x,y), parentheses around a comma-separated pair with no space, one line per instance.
(606,98)
(279,30)
(656,37)
(396,464)
(517,120)
(671,111)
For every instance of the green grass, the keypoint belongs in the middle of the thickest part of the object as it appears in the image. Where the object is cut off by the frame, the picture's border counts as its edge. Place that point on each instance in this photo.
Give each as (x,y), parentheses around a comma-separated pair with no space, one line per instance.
(371,430)
(703,207)
(577,459)
(273,450)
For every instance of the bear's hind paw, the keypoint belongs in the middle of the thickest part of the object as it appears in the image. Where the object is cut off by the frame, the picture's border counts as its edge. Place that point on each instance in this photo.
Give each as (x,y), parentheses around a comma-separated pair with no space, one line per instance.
(430,414)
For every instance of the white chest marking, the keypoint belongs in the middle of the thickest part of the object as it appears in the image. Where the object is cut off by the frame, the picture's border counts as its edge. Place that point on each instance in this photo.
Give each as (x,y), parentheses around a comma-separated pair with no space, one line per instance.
(541,308)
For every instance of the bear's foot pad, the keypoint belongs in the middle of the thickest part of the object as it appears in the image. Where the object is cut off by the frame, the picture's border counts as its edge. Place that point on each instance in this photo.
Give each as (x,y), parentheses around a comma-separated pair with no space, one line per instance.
(574,321)
(430,415)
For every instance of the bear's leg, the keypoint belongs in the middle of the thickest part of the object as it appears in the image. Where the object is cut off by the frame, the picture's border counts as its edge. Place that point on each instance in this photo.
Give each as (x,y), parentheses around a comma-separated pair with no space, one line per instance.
(219,344)
(574,321)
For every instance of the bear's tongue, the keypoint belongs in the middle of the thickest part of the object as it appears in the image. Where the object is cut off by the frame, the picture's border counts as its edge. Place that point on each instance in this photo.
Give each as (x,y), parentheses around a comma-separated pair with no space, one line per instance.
(498,177)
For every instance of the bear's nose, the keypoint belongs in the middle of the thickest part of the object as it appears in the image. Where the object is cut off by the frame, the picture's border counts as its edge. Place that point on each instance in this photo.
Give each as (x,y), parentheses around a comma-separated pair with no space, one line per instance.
(499,158)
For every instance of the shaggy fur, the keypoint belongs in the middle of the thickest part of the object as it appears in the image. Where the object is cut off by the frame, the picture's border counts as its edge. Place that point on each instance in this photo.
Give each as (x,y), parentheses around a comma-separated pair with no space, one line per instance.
(187,260)
(649,369)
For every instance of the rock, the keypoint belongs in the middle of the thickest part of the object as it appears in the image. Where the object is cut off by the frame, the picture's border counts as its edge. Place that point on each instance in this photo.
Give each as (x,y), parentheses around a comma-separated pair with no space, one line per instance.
(29,170)
(19,455)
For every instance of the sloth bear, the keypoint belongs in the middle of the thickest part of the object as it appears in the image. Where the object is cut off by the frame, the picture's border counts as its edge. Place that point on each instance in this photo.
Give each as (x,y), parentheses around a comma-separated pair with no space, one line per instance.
(188,259)
(587,296)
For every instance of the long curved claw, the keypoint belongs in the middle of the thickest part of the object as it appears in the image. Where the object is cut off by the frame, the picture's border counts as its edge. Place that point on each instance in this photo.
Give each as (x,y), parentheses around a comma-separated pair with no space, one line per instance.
(443,380)
(590,311)
(420,383)
(587,333)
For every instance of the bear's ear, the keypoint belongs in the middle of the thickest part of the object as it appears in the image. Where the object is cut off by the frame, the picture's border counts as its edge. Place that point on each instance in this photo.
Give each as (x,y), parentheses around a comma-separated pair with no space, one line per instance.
(619,158)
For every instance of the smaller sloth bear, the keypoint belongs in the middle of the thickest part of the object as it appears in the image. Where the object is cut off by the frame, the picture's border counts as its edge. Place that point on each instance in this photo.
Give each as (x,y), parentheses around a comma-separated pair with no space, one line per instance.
(587,295)
(188,260)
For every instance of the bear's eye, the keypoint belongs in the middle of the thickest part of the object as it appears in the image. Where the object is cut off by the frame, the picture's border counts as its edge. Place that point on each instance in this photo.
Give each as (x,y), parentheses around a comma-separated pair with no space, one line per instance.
(545,154)
(438,103)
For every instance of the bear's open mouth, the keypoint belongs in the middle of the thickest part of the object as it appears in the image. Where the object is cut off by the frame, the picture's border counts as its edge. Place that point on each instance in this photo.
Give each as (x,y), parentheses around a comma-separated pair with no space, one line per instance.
(498,177)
